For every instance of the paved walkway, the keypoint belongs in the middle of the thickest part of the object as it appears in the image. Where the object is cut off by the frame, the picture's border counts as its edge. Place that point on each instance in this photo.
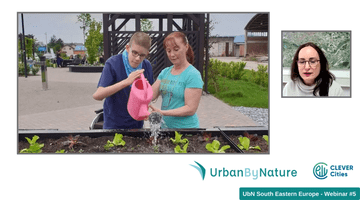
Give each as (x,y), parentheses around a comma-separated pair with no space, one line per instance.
(68,103)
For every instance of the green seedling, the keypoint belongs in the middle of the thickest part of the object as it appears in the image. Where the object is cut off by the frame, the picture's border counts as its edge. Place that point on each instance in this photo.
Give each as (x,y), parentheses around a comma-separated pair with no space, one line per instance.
(266,137)
(60,151)
(206,136)
(183,150)
(214,147)
(34,146)
(72,141)
(245,144)
(255,147)
(156,149)
(178,139)
(117,141)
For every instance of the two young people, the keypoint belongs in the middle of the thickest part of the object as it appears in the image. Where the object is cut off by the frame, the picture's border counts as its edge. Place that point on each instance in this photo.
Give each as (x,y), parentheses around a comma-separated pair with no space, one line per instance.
(180,85)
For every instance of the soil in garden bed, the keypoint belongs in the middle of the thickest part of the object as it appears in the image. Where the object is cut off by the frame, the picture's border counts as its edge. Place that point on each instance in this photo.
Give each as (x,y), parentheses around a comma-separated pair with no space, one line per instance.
(139,145)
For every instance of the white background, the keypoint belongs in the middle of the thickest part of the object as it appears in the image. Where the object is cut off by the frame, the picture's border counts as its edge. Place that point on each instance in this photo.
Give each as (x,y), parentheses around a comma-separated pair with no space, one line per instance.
(303,132)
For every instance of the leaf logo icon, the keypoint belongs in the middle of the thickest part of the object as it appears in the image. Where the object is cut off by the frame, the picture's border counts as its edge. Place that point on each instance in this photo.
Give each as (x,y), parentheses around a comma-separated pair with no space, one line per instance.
(201,169)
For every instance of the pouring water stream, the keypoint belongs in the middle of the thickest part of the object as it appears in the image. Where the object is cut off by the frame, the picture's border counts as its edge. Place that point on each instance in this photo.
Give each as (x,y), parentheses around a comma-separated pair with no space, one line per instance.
(156,120)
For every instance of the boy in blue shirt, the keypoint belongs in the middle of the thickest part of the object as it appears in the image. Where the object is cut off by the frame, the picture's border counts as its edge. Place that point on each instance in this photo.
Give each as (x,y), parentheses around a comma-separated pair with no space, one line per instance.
(119,73)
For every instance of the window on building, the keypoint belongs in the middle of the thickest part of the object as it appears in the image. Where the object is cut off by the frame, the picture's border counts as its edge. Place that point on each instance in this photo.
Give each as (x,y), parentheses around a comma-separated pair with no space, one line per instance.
(257,34)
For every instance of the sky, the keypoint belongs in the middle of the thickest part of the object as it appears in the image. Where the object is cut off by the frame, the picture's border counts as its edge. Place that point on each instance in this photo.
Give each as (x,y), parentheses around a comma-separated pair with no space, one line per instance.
(66,26)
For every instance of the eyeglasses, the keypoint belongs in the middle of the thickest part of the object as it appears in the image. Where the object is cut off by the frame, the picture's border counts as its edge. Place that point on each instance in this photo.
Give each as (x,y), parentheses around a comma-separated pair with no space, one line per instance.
(312,63)
(136,54)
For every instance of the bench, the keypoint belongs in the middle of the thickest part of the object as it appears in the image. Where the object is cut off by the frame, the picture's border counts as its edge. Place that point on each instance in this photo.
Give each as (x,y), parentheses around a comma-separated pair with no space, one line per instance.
(75,61)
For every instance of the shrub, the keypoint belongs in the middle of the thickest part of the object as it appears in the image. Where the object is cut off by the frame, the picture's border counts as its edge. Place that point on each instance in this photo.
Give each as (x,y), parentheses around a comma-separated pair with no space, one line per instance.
(34,70)
(213,73)
(237,70)
(260,77)
(21,70)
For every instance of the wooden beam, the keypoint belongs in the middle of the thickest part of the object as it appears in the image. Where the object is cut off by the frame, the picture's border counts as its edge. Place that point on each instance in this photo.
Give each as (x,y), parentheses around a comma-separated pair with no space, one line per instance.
(106,36)
(201,33)
(137,23)
(195,19)
(169,22)
(113,18)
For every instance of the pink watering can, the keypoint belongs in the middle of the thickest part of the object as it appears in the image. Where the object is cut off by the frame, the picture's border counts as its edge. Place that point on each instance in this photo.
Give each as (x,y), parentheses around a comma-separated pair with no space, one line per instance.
(140,96)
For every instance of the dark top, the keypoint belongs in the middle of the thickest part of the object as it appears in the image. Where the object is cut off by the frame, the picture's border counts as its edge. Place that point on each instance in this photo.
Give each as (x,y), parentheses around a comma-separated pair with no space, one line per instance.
(116,115)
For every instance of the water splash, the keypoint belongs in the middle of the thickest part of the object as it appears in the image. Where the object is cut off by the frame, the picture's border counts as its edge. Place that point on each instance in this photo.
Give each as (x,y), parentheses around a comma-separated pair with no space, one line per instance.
(156,120)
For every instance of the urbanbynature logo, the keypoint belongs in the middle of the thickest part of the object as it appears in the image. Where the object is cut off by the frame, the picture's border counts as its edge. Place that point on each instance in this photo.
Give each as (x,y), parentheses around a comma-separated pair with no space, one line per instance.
(320,170)
(201,169)
(245,173)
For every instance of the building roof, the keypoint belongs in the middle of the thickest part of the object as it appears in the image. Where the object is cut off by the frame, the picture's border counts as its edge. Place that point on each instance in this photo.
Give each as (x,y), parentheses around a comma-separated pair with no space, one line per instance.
(239,39)
(259,22)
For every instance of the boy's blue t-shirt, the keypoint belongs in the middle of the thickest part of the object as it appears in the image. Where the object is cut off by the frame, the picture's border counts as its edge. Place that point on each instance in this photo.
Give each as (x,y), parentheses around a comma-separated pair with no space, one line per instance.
(172,90)
(116,115)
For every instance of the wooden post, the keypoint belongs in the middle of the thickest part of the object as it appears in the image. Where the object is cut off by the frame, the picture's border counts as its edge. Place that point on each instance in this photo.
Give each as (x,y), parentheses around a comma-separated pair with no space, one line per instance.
(106,37)
(207,52)
(201,35)
(137,23)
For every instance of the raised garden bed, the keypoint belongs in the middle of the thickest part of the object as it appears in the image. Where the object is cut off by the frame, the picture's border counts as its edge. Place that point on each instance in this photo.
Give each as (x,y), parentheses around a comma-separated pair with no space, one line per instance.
(77,68)
(139,141)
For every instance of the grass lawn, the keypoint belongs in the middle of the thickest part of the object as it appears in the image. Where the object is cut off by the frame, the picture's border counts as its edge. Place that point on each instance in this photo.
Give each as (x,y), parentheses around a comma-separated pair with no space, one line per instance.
(241,93)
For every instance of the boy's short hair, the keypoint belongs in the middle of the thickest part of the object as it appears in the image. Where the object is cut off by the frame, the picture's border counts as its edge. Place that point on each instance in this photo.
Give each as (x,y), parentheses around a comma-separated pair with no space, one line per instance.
(142,39)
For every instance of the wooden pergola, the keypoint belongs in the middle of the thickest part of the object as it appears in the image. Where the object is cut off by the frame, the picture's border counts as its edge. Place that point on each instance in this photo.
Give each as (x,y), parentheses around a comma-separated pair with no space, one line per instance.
(192,25)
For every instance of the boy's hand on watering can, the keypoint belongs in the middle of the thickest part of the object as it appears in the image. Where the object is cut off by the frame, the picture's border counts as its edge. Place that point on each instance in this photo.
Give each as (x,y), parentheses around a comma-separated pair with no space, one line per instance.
(134,75)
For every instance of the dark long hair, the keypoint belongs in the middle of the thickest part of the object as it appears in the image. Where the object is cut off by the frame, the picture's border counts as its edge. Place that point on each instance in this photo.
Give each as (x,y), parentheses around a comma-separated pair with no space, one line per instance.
(189,53)
(325,78)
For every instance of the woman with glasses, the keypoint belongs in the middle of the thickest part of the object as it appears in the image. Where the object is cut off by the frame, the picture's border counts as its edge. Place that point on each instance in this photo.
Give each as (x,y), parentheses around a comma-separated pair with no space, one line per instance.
(179,85)
(119,73)
(310,74)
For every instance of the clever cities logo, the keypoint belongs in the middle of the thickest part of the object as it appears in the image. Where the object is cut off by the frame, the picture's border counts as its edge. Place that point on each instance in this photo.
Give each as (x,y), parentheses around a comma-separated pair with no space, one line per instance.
(321,170)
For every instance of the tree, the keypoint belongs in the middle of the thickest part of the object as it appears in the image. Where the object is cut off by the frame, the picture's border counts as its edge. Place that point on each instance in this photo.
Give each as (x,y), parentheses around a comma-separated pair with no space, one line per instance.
(145,25)
(85,19)
(29,47)
(94,41)
(55,44)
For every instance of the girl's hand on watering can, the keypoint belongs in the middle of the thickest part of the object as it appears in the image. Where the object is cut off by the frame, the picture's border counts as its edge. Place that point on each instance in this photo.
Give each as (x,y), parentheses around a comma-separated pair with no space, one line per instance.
(134,75)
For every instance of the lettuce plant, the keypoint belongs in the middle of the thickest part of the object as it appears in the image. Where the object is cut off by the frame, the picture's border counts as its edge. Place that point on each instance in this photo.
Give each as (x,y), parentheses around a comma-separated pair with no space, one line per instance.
(266,137)
(214,147)
(34,146)
(245,144)
(183,150)
(178,139)
(117,141)
(60,151)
